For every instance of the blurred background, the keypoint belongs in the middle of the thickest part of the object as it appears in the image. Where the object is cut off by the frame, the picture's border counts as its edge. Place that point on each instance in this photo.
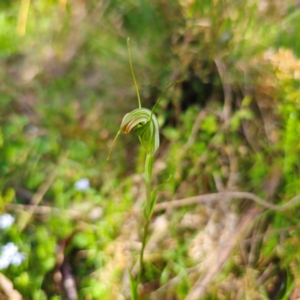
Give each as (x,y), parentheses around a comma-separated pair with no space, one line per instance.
(70,221)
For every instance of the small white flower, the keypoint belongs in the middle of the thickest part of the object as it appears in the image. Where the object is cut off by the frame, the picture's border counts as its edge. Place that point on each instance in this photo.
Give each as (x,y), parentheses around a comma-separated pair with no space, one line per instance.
(6,220)
(9,250)
(82,184)
(4,263)
(10,255)
(17,259)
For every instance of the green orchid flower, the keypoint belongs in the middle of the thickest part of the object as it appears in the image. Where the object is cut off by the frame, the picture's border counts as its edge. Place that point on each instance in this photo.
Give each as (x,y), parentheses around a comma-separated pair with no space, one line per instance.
(143,122)
(145,125)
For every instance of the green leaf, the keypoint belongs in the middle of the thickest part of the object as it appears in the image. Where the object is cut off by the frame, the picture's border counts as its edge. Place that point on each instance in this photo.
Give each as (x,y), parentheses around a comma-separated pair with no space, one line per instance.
(153,200)
(133,288)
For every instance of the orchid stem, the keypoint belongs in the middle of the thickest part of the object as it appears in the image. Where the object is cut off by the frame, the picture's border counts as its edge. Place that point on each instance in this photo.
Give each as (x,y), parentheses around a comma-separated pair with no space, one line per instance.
(148,178)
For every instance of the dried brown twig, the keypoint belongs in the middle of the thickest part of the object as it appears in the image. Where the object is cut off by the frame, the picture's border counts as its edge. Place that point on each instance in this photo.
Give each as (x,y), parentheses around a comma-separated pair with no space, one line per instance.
(39,195)
(42,210)
(201,284)
(228,195)
(221,67)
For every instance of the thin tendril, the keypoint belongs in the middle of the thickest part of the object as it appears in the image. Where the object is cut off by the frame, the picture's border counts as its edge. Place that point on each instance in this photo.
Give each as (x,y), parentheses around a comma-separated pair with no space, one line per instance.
(132,73)
(113,144)
(163,93)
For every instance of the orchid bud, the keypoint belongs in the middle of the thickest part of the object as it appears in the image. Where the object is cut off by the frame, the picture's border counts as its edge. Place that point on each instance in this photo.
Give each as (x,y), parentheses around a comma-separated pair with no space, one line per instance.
(145,125)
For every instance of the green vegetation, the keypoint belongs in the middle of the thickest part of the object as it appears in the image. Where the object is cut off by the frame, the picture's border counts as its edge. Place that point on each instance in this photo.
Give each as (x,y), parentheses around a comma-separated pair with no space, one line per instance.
(225,223)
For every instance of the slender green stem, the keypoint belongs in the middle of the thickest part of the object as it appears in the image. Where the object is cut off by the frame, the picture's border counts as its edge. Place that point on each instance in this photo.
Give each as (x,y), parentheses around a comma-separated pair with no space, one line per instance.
(144,241)
(132,73)
(148,178)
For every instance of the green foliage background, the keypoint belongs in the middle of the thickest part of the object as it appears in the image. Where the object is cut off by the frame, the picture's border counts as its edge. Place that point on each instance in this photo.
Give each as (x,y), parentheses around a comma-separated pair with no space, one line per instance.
(231,125)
